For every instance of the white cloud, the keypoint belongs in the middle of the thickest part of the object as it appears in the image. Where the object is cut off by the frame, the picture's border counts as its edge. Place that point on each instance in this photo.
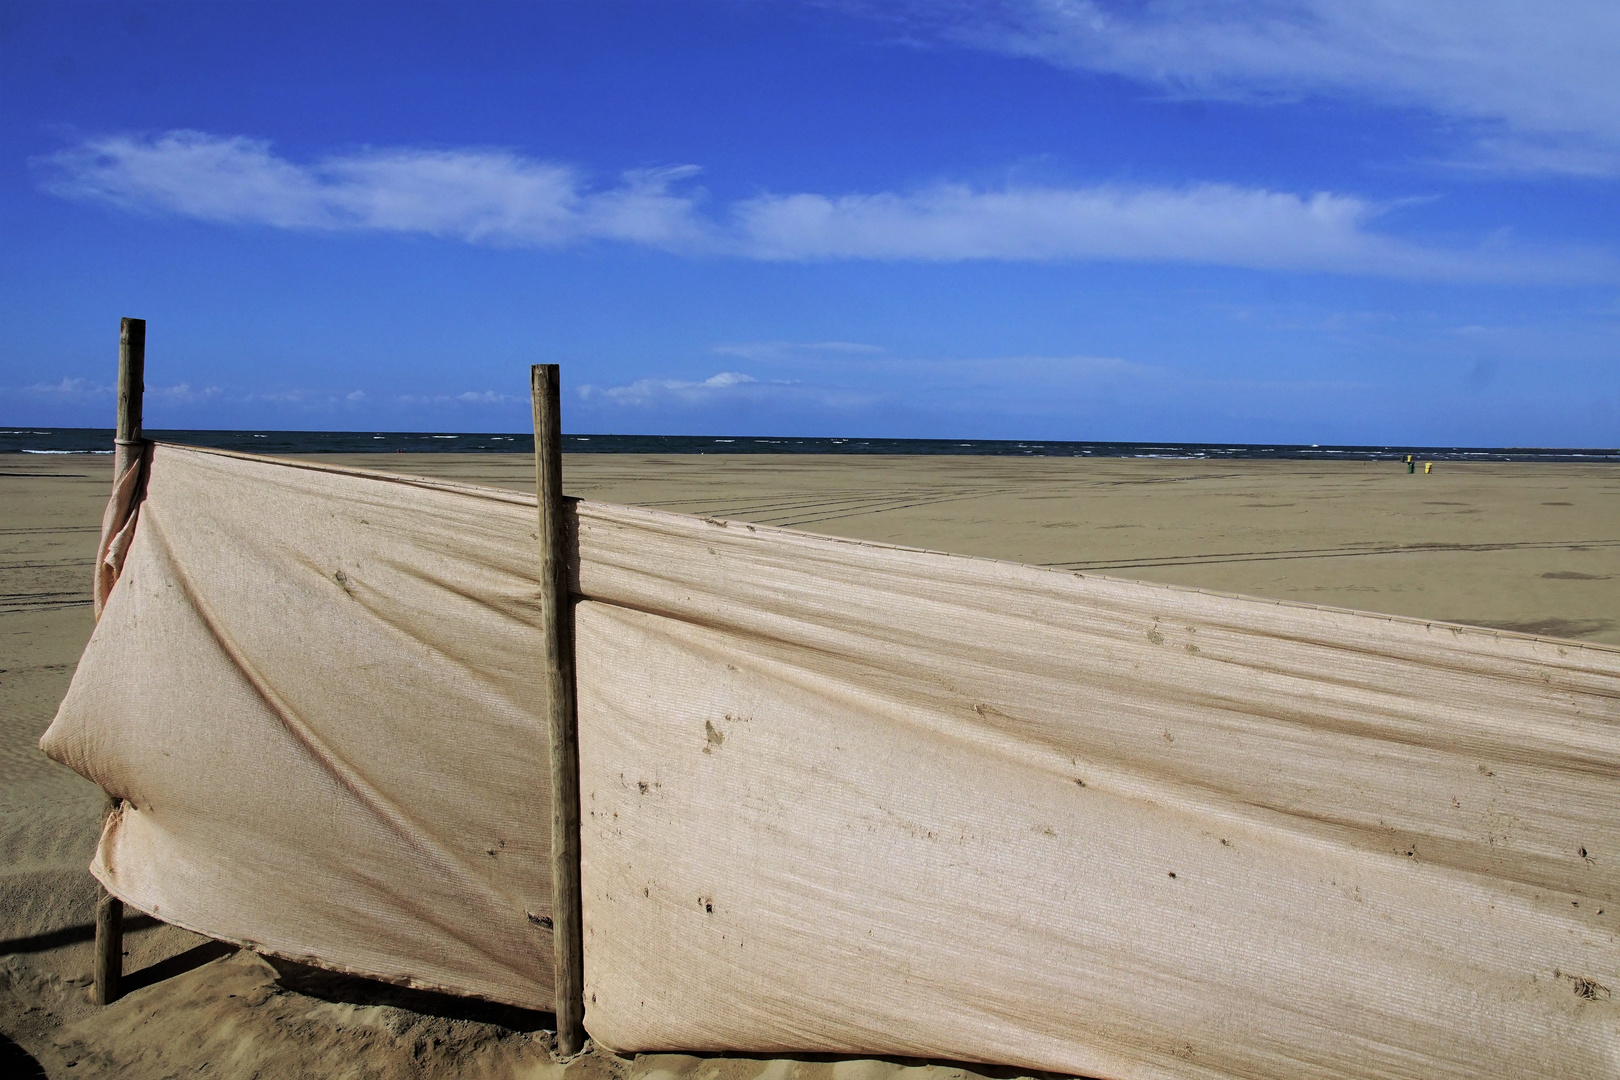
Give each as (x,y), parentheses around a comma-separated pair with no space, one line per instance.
(288,399)
(69,386)
(1537,81)
(1210,223)
(777,350)
(947,385)
(466,397)
(726,388)
(500,198)
(658,391)
(76,387)
(283,397)
(1215,224)
(1031,370)
(483,196)
(183,394)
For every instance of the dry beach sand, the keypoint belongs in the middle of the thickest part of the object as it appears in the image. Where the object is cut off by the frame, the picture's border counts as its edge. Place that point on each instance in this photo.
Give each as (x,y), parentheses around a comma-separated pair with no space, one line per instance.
(1531,548)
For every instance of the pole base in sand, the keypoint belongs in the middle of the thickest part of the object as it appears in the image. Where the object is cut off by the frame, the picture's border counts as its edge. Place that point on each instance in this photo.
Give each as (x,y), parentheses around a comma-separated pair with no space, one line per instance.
(109,948)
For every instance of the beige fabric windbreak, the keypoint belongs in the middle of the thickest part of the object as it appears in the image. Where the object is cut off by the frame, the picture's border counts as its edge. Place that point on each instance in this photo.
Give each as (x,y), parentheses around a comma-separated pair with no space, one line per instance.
(842,797)
(846,798)
(317,694)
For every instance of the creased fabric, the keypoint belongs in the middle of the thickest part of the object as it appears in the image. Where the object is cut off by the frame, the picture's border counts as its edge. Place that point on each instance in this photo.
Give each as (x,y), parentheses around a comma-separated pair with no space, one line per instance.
(846,798)
(118,521)
(317,694)
(862,800)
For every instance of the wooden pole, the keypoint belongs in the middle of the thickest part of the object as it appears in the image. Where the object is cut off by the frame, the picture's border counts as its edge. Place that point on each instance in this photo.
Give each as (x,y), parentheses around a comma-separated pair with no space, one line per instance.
(109,960)
(131,378)
(127,442)
(557,625)
(109,971)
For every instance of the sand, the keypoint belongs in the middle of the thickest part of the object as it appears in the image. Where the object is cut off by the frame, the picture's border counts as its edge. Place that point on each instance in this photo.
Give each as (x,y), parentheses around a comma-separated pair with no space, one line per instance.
(1533,548)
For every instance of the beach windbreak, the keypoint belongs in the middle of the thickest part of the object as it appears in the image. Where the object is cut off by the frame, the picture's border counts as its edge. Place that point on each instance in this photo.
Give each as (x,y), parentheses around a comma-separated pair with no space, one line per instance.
(845,798)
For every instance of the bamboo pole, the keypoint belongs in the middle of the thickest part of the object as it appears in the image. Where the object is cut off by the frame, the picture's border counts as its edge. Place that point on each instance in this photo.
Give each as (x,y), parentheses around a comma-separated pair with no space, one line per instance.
(557,624)
(109,958)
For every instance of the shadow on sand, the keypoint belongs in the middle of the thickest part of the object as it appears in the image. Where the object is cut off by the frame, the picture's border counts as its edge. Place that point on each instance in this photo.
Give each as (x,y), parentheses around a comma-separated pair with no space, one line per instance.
(354,990)
(18,1063)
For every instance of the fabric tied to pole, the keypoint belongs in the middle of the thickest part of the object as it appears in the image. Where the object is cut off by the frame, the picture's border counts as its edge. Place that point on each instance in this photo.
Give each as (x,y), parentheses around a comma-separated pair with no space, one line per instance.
(118,522)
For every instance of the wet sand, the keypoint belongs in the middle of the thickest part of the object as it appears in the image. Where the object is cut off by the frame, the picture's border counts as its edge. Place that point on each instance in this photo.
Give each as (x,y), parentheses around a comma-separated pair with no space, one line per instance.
(1529,548)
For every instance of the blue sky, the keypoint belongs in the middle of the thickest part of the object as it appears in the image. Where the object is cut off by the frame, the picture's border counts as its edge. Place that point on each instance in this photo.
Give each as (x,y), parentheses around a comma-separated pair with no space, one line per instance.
(1281,220)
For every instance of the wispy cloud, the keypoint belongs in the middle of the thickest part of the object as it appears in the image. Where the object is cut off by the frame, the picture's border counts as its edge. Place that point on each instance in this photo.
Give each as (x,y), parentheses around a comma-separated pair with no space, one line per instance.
(501,198)
(658,391)
(878,367)
(298,399)
(466,397)
(727,388)
(482,196)
(184,394)
(779,350)
(1536,83)
(1074,394)
(69,386)
(1208,223)
(72,387)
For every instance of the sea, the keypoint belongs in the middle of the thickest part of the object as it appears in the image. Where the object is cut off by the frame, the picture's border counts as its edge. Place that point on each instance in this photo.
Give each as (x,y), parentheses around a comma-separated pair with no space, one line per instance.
(27,440)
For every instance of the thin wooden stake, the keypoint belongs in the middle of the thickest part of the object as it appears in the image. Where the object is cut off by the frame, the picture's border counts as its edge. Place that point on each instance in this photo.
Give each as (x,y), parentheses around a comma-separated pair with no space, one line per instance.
(557,623)
(127,442)
(131,378)
(109,947)
(109,959)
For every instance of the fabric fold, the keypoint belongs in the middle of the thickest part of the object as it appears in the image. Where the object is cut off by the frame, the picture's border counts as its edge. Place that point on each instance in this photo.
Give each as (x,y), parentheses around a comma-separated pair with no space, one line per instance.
(314,691)
(118,521)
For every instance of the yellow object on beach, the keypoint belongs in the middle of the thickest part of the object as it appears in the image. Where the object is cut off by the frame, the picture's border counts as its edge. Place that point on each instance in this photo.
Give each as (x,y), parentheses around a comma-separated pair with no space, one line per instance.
(1428,466)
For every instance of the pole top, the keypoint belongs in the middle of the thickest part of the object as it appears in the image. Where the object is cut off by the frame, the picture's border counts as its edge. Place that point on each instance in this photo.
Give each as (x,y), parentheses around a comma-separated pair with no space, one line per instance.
(131,378)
